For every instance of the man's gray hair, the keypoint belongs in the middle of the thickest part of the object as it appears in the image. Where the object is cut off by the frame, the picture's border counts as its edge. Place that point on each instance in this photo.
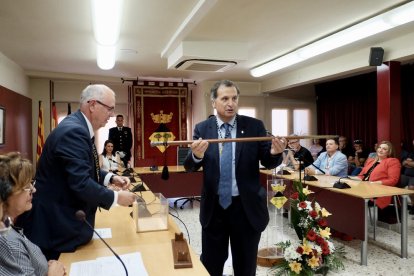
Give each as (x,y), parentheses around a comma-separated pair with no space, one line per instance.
(95,92)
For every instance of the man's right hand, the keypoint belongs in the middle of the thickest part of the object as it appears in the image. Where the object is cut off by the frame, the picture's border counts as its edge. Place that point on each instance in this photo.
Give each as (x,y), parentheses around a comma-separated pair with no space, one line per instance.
(126,198)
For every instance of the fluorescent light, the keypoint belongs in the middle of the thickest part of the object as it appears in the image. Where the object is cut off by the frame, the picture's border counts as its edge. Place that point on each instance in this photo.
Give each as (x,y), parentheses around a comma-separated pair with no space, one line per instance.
(105,57)
(106,16)
(372,26)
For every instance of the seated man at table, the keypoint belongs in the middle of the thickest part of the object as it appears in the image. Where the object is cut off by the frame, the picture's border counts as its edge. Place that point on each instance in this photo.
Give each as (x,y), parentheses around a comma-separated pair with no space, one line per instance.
(330,162)
(294,154)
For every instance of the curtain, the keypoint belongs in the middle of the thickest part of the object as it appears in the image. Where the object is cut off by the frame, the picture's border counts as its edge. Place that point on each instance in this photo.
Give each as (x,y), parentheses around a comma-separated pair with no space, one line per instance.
(348,107)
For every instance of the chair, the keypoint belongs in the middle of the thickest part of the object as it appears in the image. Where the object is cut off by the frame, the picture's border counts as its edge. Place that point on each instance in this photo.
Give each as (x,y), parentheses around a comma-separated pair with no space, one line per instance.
(396,204)
(182,153)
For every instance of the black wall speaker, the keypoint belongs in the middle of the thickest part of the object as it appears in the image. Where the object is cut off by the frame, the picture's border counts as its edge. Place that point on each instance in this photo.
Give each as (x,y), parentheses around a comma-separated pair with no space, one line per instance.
(375,56)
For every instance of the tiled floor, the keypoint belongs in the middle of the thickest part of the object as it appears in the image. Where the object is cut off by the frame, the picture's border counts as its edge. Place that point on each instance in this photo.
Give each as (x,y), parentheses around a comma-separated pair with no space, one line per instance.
(383,254)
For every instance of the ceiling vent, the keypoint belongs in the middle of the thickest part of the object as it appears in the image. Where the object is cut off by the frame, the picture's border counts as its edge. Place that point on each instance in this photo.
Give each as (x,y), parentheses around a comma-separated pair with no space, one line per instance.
(205,65)
(207,56)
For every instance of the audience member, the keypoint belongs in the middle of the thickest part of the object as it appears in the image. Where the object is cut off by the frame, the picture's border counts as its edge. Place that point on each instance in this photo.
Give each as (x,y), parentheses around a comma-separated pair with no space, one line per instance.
(357,159)
(315,148)
(330,162)
(407,175)
(109,160)
(233,202)
(69,179)
(374,153)
(18,255)
(345,147)
(295,154)
(121,136)
(382,170)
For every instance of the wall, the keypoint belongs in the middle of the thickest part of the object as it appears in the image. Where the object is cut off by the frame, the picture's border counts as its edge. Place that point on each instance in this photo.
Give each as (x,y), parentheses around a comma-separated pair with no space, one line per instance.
(17,127)
(14,97)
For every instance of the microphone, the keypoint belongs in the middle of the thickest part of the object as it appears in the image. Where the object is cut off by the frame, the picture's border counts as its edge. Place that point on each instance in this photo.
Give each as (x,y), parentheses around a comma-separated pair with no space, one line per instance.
(341,185)
(318,168)
(80,215)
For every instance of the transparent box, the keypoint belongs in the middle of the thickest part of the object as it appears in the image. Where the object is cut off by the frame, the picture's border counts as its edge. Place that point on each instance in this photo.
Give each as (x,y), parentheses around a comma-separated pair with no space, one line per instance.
(151,214)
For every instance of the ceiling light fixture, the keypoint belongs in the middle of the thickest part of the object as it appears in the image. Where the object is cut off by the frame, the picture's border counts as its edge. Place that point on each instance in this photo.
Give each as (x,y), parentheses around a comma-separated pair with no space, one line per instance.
(385,21)
(106,16)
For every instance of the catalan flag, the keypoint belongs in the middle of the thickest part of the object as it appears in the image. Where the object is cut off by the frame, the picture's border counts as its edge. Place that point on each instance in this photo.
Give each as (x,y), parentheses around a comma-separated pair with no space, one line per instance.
(40,133)
(54,116)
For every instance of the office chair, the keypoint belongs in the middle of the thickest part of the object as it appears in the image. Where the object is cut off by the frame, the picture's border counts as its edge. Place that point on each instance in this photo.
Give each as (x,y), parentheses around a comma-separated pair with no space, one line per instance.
(373,219)
(182,153)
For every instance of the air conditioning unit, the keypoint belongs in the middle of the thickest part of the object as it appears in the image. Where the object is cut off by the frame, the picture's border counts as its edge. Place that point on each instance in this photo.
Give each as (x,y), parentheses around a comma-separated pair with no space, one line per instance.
(207,56)
(205,65)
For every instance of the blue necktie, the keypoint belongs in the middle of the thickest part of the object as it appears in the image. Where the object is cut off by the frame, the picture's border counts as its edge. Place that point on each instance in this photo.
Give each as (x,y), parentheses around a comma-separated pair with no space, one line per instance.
(226,168)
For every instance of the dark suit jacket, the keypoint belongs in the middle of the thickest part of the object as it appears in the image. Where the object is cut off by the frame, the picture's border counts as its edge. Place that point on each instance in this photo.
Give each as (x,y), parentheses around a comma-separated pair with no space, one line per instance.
(247,155)
(126,136)
(65,183)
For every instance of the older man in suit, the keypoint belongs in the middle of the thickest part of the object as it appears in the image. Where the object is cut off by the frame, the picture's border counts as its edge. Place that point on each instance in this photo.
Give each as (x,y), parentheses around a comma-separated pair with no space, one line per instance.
(233,203)
(68,178)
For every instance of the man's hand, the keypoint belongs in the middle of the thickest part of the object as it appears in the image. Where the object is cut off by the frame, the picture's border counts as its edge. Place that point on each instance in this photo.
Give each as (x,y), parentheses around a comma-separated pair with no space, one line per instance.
(199,147)
(122,182)
(278,145)
(126,198)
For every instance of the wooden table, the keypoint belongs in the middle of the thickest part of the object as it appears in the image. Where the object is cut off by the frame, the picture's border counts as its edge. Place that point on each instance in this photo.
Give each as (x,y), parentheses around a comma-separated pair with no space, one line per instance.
(155,247)
(179,183)
(350,206)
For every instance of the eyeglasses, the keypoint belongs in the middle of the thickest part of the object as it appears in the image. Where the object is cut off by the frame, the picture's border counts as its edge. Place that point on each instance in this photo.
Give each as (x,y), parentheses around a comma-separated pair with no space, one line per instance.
(357,141)
(292,142)
(109,108)
(32,187)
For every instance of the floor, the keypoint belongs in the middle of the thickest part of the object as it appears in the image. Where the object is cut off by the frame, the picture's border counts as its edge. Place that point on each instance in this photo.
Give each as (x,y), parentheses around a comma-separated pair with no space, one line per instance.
(383,254)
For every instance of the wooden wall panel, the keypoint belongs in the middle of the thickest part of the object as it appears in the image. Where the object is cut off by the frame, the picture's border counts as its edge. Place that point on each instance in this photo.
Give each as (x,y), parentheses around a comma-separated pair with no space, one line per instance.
(18,126)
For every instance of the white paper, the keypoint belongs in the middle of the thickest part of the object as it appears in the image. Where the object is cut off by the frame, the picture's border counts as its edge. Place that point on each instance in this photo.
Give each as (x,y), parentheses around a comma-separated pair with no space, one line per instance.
(110,266)
(105,233)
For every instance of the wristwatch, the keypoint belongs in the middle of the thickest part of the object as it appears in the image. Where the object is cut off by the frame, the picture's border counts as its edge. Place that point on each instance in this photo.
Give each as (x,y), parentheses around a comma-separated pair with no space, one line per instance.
(112,177)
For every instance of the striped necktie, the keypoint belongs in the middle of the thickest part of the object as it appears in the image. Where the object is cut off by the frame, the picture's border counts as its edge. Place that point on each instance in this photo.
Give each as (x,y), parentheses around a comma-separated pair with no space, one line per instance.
(226,169)
(95,157)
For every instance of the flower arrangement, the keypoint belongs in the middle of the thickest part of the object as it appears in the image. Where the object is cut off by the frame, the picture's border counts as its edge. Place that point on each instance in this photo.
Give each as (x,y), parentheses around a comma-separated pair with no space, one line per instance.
(313,252)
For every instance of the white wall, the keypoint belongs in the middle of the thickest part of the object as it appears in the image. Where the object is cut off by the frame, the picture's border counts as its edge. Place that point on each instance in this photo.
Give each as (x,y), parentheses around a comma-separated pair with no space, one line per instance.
(12,76)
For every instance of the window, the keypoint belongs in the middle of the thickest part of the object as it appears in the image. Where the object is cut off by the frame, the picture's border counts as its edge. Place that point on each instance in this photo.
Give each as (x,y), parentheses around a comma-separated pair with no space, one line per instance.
(280,122)
(301,119)
(248,111)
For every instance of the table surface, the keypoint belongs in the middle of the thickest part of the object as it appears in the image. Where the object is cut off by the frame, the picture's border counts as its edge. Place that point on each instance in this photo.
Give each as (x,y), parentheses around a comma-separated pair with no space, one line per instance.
(155,247)
(360,189)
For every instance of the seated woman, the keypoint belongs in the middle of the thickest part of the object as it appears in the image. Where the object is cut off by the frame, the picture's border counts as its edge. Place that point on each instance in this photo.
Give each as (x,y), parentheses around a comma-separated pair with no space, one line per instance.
(315,148)
(330,162)
(384,169)
(18,255)
(108,160)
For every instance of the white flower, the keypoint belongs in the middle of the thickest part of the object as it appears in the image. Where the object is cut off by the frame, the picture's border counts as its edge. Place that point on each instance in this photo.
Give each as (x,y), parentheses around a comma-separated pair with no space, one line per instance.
(331,246)
(290,253)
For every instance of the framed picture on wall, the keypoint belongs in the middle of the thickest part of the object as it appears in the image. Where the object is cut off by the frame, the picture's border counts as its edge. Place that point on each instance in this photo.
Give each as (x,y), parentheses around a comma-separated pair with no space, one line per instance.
(2,125)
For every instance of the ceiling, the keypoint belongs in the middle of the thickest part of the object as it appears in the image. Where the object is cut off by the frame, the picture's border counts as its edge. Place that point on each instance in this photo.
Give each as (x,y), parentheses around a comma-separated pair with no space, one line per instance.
(46,36)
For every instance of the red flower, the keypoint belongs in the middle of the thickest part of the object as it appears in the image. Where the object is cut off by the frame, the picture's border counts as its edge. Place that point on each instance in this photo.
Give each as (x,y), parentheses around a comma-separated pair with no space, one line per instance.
(320,240)
(299,250)
(313,214)
(302,204)
(295,195)
(325,250)
(322,222)
(311,235)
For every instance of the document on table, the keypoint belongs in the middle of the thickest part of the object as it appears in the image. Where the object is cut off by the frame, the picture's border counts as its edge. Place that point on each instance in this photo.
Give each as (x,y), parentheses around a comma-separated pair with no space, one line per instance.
(110,266)
(105,233)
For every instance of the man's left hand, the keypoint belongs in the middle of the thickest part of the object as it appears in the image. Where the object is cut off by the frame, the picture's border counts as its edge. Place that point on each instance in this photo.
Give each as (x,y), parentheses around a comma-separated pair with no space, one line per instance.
(278,145)
(121,182)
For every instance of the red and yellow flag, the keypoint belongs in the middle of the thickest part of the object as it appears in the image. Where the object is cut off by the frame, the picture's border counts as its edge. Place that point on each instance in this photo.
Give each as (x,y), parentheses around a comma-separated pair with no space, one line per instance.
(40,133)
(54,116)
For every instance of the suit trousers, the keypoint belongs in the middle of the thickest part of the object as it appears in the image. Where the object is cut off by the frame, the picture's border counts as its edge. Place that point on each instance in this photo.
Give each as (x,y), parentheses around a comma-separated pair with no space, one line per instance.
(230,224)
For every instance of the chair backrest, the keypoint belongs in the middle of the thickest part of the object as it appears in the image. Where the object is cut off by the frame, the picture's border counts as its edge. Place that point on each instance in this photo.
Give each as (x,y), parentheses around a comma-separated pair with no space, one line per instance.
(181,155)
